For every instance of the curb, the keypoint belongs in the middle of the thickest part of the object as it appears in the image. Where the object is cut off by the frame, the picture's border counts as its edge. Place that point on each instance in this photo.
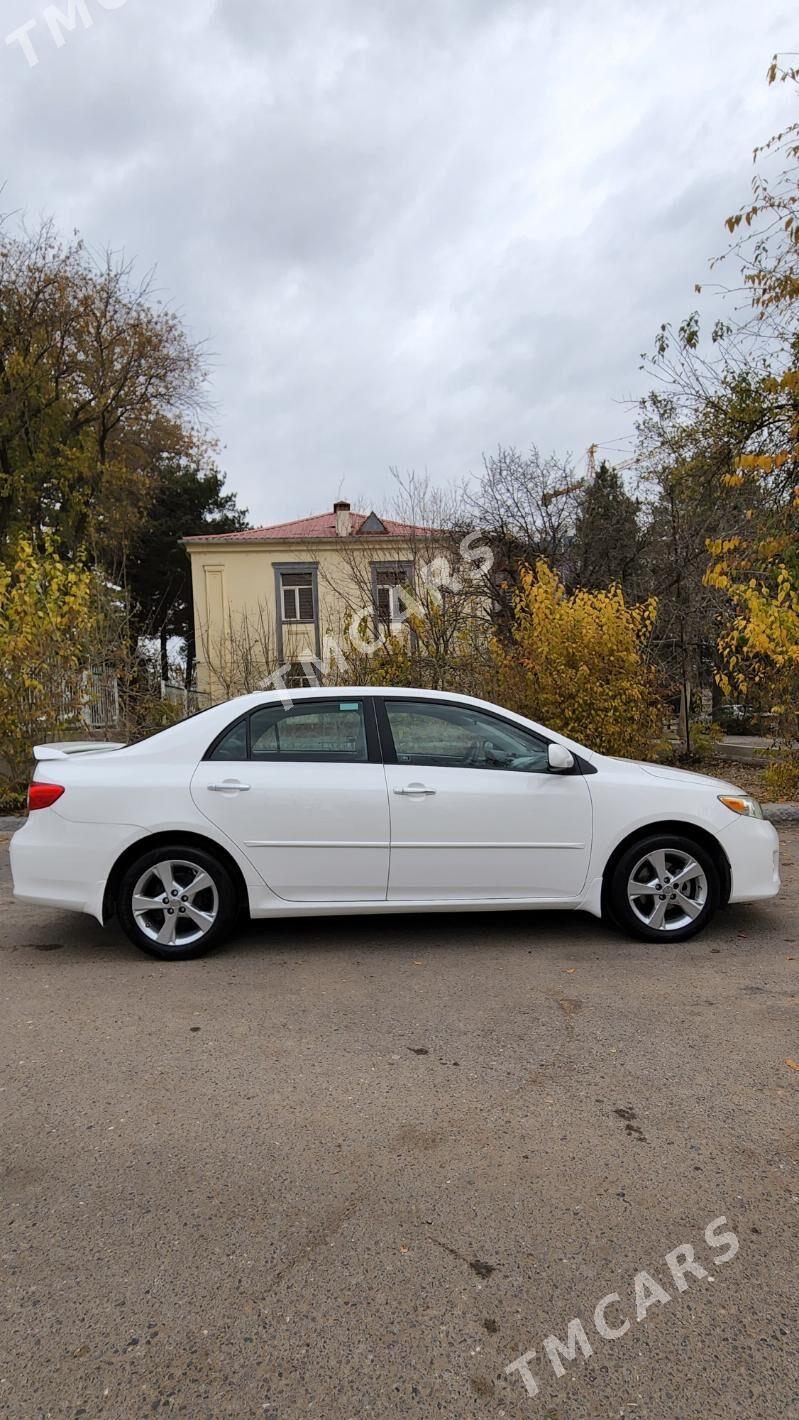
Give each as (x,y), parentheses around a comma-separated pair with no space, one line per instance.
(781,813)
(10,825)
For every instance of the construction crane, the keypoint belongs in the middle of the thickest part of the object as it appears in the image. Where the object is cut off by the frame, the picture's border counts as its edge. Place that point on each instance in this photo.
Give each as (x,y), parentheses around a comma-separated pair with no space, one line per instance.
(590,463)
(590,476)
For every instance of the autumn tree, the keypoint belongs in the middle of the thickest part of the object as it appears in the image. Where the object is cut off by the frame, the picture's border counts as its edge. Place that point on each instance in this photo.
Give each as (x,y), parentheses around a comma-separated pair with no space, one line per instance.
(98,383)
(679,478)
(733,399)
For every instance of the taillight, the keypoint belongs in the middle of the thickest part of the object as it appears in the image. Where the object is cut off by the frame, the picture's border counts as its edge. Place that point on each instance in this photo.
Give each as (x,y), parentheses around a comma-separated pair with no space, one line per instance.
(41,796)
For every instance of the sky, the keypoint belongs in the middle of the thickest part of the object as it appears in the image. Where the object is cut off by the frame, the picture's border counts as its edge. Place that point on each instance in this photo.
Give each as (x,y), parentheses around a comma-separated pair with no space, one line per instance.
(407,230)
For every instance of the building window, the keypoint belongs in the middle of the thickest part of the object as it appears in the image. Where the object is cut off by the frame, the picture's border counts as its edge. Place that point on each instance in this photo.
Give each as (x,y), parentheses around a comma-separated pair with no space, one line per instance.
(296,594)
(388,581)
(296,677)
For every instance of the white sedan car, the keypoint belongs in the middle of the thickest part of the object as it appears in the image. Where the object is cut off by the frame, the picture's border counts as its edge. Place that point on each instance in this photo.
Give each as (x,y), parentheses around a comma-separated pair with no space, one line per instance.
(364,800)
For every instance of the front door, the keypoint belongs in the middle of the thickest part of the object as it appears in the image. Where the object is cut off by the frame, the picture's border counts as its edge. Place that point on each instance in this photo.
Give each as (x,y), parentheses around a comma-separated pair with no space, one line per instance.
(301,790)
(476,813)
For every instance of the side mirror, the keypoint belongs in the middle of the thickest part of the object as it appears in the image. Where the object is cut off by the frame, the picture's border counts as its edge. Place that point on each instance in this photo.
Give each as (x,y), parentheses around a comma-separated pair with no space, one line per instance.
(560,759)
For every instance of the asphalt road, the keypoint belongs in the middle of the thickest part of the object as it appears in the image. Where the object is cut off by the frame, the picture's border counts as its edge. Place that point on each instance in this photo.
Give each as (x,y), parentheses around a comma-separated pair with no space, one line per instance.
(356,1168)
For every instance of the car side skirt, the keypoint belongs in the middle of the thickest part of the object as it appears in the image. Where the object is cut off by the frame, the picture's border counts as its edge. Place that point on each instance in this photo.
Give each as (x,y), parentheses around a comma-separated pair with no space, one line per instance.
(262,910)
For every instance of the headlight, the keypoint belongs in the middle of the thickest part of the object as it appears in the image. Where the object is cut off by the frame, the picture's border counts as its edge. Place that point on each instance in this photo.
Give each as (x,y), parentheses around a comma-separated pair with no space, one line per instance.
(742,804)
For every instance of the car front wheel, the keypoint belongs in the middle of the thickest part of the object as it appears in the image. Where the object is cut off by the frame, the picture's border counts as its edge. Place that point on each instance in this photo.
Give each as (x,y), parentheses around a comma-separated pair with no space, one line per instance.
(176,902)
(664,888)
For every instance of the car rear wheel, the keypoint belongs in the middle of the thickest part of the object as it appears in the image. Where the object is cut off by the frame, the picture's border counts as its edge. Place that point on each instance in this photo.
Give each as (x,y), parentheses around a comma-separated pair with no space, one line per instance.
(665,888)
(176,902)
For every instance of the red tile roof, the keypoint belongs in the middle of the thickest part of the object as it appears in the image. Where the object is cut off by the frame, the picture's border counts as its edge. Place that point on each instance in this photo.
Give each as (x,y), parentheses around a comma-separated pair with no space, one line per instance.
(322,525)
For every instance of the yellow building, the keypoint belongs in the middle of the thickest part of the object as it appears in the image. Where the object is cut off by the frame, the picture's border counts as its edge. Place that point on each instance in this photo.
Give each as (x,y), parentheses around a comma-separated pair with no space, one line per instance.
(278,600)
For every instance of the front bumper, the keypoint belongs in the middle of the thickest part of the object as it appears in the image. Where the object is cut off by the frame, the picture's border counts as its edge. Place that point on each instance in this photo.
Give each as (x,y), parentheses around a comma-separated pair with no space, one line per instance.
(752,846)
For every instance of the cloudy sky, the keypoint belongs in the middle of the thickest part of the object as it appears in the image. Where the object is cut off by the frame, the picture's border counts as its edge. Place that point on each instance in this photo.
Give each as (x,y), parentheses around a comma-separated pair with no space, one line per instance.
(408,229)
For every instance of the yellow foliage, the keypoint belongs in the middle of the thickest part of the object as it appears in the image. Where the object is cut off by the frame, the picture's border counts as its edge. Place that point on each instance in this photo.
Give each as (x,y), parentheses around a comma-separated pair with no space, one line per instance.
(45,615)
(781,779)
(761,648)
(719,547)
(578,663)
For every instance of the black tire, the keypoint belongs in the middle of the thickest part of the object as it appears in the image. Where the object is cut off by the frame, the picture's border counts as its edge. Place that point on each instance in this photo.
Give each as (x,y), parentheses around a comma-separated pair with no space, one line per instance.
(198,918)
(677,899)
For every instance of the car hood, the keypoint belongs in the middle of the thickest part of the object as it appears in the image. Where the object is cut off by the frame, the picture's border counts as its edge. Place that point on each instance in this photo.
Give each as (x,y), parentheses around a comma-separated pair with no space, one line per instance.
(687,776)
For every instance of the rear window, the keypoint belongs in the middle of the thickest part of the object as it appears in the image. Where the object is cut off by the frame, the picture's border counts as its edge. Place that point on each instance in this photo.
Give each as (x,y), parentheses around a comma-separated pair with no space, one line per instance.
(233,745)
(332,731)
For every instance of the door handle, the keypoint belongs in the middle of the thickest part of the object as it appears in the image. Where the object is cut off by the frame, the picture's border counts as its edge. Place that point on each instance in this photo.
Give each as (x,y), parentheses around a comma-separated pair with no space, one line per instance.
(232,787)
(415,791)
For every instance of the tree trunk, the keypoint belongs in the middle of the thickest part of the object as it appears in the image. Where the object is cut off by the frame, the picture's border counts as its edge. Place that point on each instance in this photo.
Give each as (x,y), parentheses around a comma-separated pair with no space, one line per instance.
(191,652)
(685,716)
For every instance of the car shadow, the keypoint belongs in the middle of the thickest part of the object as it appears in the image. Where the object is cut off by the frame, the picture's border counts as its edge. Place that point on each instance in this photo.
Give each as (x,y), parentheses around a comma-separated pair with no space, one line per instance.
(478,929)
(482,929)
(73,938)
(78,938)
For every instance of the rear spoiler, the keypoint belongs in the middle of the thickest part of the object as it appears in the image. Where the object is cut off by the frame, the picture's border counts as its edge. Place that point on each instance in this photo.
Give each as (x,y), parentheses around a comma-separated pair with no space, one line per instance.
(42,753)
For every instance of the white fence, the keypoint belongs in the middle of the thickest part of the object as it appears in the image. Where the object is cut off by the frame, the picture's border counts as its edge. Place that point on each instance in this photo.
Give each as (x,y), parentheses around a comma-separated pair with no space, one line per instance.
(100,699)
(100,709)
(189,701)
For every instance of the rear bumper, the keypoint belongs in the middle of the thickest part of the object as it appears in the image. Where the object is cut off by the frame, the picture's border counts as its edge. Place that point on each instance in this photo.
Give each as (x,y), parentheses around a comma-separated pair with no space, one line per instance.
(753,850)
(55,863)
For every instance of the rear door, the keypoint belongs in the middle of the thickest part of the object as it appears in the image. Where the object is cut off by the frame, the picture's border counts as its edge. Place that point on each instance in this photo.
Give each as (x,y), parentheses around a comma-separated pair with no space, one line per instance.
(476,813)
(302,791)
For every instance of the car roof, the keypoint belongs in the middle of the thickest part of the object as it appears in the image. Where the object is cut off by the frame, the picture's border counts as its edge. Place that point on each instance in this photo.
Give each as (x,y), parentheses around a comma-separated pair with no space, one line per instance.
(333,692)
(198,731)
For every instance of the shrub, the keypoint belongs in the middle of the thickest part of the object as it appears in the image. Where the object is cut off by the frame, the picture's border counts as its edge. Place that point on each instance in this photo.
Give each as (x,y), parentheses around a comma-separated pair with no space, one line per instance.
(578,663)
(781,779)
(45,620)
(761,648)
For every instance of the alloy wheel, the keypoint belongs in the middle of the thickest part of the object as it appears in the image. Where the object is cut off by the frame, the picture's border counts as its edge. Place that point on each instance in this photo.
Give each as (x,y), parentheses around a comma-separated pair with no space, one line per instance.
(667,889)
(175,903)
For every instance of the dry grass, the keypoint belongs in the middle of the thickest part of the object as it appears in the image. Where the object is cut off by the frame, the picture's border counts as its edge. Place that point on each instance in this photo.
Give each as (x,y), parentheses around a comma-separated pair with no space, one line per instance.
(745,776)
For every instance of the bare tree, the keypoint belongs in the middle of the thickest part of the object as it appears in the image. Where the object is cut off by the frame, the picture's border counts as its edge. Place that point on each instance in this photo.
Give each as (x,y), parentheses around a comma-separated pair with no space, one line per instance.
(426,611)
(242,655)
(526,504)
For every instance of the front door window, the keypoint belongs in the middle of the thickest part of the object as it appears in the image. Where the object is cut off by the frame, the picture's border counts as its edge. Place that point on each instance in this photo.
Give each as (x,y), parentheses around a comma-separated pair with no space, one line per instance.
(454,736)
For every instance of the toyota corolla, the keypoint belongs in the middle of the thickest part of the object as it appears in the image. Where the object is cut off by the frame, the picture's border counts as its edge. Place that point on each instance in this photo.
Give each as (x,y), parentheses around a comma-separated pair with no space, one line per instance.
(365,800)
